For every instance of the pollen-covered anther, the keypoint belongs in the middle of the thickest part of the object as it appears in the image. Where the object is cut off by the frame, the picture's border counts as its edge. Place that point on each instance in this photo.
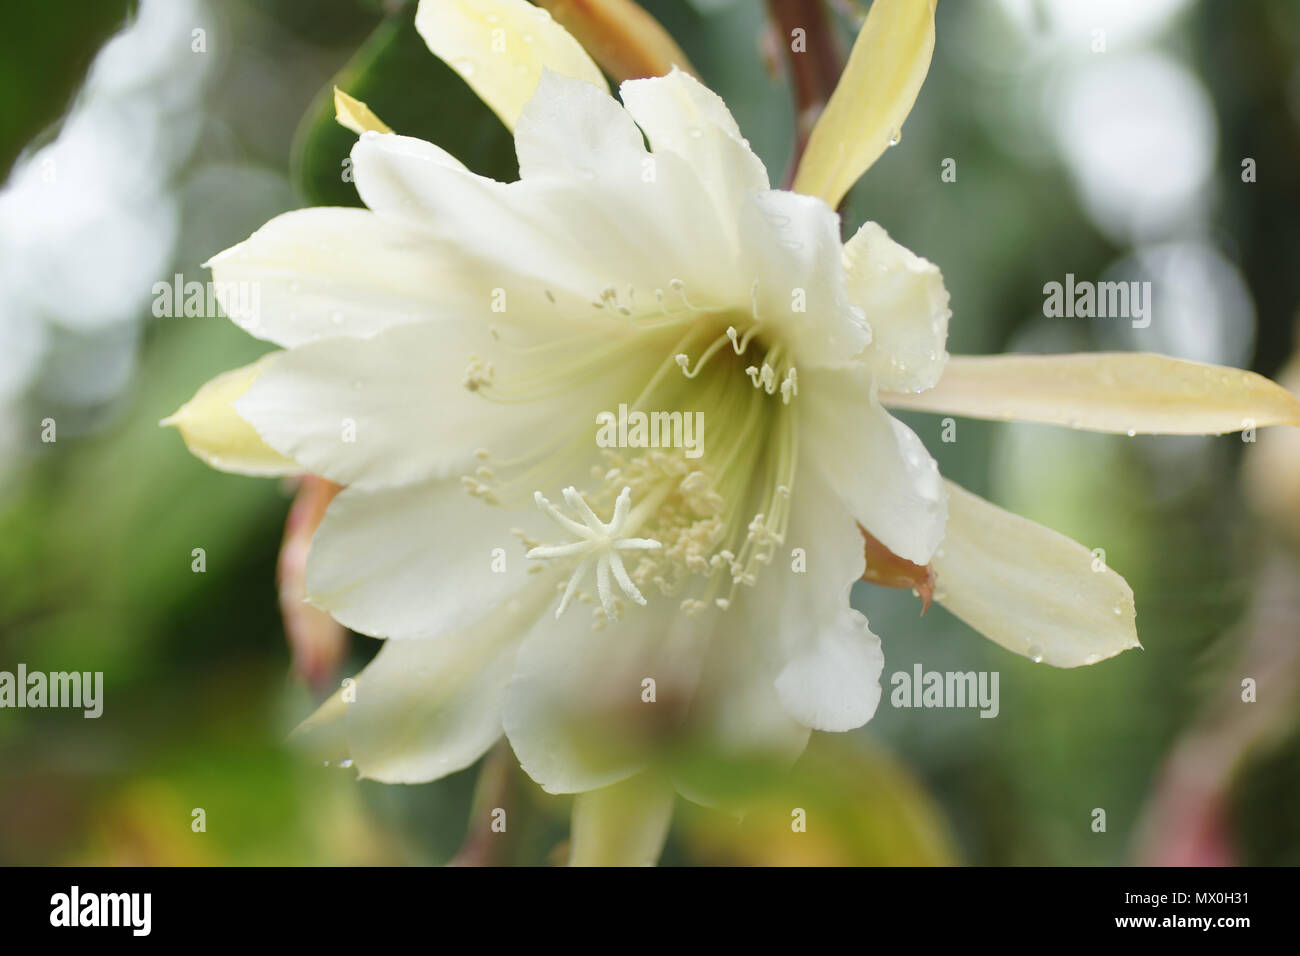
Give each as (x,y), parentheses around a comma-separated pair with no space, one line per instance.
(478,373)
(790,385)
(478,489)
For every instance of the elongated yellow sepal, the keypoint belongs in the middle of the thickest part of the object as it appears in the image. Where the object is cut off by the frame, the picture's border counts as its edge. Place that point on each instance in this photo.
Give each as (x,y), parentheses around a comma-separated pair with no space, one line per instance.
(357,116)
(216,434)
(1134,392)
(865,114)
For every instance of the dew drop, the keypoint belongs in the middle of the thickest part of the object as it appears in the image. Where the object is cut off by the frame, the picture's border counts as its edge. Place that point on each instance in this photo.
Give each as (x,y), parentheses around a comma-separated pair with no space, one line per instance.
(1132,432)
(345,763)
(895,137)
(1035,653)
(464,67)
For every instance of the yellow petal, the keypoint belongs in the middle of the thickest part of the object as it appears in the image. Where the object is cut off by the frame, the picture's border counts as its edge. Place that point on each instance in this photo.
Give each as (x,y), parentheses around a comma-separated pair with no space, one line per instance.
(872,99)
(217,435)
(1030,589)
(355,115)
(1134,392)
(500,47)
(622,825)
(624,39)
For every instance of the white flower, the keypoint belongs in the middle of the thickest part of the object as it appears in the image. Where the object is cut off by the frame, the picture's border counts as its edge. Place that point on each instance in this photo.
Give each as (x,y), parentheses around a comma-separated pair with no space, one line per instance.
(464,335)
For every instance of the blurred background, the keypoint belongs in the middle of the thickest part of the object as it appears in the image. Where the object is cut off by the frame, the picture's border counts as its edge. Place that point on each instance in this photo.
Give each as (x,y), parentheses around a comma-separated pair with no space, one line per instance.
(1156,142)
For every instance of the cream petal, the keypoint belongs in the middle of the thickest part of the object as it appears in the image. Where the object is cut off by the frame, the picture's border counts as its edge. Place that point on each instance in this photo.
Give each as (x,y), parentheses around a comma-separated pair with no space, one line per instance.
(574,710)
(1030,589)
(886,68)
(571,130)
(417,561)
(424,708)
(625,824)
(395,409)
(1115,392)
(903,299)
(501,47)
(573,240)
(323,273)
(682,116)
(794,278)
(215,433)
(874,462)
(831,677)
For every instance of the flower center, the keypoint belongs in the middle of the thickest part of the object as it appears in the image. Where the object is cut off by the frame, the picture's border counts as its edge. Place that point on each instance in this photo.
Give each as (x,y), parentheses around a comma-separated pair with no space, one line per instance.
(690,523)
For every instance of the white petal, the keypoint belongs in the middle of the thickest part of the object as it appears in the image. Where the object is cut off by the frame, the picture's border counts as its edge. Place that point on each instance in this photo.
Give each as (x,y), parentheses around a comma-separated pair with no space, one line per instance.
(904,301)
(875,463)
(394,409)
(417,561)
(792,264)
(622,825)
(322,273)
(501,47)
(570,237)
(682,116)
(427,708)
(831,678)
(1030,589)
(1113,392)
(574,711)
(571,130)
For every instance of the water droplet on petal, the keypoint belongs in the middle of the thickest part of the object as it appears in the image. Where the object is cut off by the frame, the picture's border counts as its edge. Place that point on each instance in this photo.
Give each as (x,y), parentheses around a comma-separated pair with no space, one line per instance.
(345,763)
(463,66)
(1035,653)
(1132,433)
(895,137)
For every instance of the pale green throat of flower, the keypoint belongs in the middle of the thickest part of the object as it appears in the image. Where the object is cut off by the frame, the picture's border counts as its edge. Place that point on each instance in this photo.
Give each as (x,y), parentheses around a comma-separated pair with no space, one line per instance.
(696,529)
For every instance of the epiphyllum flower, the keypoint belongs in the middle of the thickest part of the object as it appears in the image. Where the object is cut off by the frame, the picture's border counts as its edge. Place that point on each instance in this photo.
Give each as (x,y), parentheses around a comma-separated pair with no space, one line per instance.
(464,335)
